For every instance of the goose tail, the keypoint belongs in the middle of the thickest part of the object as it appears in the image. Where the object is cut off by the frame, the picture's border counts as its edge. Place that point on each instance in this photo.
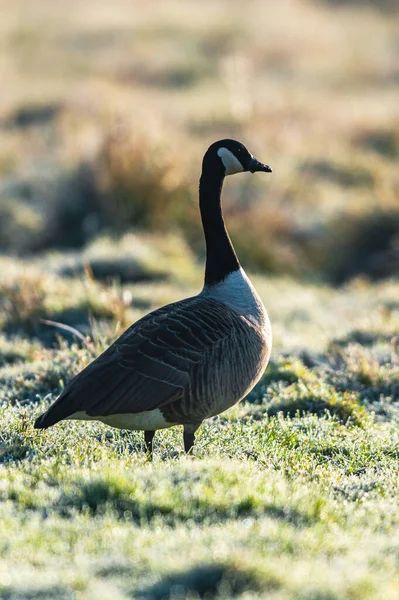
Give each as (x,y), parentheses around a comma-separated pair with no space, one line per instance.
(44,421)
(57,411)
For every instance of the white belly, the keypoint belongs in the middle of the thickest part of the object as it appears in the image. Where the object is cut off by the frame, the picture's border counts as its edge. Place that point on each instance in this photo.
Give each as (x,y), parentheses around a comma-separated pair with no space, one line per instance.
(149,420)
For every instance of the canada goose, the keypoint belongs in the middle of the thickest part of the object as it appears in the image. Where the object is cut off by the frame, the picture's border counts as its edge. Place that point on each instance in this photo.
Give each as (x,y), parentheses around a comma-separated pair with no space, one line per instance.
(191,359)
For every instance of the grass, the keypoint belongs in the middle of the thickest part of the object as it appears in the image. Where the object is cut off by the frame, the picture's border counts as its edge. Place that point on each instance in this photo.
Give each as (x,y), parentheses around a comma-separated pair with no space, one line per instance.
(291,494)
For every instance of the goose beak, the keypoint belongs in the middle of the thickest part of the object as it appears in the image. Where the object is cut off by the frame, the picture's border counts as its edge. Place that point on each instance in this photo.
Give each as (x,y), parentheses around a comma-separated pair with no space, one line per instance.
(255,166)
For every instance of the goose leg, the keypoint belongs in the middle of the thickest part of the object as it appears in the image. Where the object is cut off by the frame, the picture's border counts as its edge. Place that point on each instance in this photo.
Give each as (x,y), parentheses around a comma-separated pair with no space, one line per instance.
(148,437)
(189,437)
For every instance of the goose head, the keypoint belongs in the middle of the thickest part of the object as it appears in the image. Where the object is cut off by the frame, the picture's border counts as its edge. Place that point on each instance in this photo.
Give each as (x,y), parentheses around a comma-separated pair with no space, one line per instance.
(229,157)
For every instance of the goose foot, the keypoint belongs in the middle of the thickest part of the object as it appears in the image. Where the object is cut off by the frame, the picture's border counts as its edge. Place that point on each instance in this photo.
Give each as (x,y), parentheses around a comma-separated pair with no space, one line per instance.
(148,438)
(189,437)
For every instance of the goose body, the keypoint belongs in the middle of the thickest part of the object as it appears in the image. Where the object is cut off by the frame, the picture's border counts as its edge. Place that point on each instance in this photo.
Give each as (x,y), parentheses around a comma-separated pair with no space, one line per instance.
(189,360)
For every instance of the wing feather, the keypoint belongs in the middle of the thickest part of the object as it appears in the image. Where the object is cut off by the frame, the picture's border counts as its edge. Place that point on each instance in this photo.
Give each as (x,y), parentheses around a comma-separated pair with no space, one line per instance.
(149,366)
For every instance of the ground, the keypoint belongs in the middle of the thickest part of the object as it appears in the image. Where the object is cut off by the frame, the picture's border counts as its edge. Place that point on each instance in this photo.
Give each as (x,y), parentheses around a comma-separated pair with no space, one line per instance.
(293,493)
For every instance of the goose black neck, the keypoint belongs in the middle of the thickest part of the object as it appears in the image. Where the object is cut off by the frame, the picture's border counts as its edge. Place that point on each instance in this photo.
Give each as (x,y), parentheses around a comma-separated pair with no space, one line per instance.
(220,256)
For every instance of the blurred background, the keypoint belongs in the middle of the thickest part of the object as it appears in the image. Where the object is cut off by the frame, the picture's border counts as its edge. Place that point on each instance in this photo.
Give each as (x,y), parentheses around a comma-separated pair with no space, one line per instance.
(106,109)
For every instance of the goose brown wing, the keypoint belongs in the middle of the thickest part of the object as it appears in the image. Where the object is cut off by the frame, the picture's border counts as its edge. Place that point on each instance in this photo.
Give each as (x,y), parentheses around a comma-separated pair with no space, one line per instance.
(149,365)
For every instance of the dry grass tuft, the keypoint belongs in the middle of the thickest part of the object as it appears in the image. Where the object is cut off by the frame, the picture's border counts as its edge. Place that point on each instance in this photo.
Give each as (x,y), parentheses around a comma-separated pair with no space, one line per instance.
(22,300)
(142,182)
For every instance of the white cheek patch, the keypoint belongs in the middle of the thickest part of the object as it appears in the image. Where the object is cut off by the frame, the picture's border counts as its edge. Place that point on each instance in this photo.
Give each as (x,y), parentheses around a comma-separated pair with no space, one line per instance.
(231,163)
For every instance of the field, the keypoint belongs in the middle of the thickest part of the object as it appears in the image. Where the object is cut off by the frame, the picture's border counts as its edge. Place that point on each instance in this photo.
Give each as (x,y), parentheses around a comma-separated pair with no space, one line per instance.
(105,112)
